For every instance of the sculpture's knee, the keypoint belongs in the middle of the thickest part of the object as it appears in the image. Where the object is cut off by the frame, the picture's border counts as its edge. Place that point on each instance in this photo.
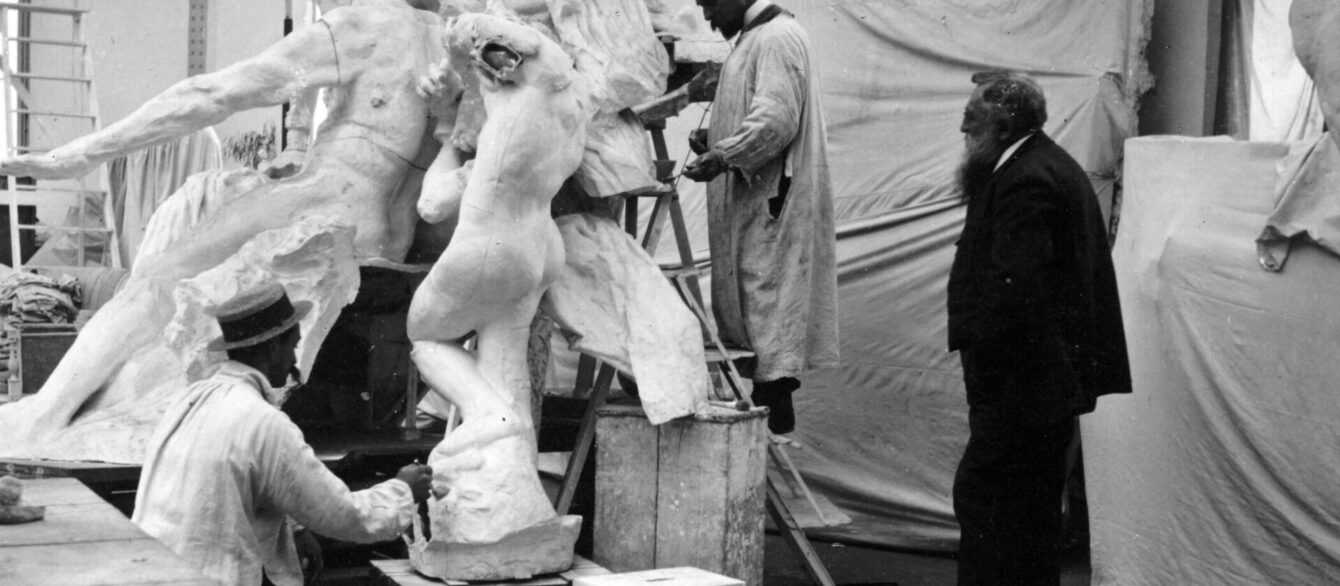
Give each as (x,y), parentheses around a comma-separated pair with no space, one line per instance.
(421,321)
(417,332)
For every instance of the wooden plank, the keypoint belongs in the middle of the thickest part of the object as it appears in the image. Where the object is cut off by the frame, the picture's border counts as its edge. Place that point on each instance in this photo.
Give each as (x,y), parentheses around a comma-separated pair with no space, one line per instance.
(335,448)
(583,567)
(710,513)
(693,484)
(585,438)
(89,472)
(791,531)
(747,448)
(72,524)
(401,573)
(627,453)
(661,577)
(112,563)
(57,491)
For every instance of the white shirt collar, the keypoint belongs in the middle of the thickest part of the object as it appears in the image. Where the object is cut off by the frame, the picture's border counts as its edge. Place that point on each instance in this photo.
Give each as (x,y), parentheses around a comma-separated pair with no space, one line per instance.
(753,11)
(242,372)
(1005,156)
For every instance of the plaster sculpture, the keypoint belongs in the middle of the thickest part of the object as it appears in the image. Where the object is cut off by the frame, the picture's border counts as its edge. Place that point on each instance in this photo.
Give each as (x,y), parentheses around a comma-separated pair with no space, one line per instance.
(1314,24)
(368,55)
(616,53)
(504,252)
(520,116)
(1306,204)
(539,115)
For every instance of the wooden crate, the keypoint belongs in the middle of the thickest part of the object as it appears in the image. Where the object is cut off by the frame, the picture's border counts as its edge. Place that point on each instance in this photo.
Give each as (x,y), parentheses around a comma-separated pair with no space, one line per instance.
(40,348)
(662,577)
(687,493)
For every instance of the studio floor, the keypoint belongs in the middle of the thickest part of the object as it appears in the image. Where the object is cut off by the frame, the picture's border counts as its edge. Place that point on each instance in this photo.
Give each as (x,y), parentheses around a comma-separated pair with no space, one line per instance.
(852,565)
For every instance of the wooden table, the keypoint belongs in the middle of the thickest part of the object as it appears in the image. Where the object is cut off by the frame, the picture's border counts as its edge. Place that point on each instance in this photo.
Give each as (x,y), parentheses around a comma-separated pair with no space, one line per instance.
(400,573)
(84,540)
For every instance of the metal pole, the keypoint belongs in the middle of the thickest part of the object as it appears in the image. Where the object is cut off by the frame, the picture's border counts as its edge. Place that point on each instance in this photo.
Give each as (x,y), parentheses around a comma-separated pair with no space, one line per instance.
(11,131)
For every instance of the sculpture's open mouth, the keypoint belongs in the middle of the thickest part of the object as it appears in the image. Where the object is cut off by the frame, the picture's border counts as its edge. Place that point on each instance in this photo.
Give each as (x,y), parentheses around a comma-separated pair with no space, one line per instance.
(497,61)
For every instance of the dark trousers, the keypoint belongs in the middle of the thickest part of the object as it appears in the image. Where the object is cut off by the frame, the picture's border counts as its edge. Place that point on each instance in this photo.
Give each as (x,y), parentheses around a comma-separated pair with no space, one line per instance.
(1007,497)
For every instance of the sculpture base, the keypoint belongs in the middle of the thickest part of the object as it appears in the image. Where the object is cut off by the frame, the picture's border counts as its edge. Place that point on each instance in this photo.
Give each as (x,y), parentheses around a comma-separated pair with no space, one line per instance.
(544,548)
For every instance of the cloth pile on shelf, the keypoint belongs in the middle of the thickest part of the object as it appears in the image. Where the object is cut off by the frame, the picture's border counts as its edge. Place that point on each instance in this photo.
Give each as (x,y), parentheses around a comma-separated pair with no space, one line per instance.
(27,297)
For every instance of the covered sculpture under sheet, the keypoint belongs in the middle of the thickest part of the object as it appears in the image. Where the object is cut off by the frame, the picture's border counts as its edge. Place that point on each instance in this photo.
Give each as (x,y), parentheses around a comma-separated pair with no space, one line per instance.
(1220,468)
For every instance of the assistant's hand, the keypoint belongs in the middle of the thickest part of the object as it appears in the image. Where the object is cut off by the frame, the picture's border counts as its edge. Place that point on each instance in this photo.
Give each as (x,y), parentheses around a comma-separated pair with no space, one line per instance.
(698,141)
(706,167)
(310,556)
(418,477)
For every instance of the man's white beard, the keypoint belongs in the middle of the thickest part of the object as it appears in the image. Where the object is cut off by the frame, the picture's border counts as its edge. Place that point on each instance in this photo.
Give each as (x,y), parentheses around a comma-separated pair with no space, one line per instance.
(977,165)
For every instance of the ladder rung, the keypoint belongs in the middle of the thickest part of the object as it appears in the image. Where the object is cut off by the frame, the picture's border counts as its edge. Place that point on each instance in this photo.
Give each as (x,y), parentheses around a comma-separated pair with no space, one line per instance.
(37,41)
(694,271)
(38,8)
(57,114)
(714,355)
(20,189)
(65,228)
(52,77)
(650,191)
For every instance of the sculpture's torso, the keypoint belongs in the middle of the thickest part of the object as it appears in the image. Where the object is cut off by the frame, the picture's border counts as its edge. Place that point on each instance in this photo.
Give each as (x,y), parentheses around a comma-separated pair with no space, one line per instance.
(505,239)
(375,126)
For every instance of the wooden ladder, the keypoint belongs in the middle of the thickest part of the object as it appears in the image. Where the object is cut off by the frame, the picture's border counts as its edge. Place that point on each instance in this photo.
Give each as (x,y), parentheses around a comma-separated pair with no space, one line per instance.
(685,277)
(28,60)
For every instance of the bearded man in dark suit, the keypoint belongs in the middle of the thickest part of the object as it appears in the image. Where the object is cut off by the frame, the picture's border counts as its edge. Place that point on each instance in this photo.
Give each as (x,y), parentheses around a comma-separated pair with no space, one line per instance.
(1034,314)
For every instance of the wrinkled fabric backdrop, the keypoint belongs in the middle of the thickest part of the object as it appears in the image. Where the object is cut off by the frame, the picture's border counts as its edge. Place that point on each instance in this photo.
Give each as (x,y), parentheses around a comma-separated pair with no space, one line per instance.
(884,432)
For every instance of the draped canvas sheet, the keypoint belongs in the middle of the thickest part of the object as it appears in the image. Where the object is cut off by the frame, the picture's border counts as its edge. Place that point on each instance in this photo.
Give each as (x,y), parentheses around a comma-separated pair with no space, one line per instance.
(1220,468)
(145,178)
(884,432)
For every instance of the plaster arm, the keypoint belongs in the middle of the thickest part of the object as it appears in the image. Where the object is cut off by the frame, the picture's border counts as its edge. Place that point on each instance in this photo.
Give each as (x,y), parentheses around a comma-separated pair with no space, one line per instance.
(446,178)
(302,60)
(297,135)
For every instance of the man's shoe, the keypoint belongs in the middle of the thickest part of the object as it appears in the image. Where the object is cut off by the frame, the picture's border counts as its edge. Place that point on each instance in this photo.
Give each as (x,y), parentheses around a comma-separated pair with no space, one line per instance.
(776,396)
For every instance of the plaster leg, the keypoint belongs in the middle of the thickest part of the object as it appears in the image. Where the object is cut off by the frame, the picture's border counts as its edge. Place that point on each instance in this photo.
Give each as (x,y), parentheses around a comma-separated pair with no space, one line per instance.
(126,324)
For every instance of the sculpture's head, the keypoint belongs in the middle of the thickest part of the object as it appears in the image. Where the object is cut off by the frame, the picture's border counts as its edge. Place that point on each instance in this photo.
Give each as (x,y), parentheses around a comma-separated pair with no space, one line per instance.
(505,52)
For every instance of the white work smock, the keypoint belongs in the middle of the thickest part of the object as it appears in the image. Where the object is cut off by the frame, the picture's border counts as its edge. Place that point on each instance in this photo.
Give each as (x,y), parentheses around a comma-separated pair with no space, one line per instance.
(224,470)
(774,277)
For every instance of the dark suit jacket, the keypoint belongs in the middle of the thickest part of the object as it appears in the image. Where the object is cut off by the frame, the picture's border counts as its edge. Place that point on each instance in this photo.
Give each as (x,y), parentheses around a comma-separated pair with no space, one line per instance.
(1033,301)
